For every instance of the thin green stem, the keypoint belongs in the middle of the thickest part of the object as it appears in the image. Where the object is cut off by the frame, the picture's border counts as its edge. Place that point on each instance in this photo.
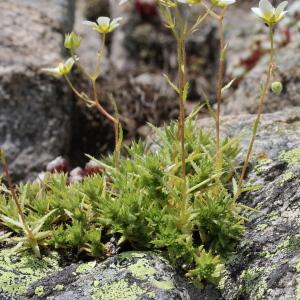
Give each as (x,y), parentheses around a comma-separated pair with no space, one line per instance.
(210,11)
(199,21)
(181,84)
(181,125)
(79,66)
(115,122)
(258,115)
(219,91)
(16,200)
(100,54)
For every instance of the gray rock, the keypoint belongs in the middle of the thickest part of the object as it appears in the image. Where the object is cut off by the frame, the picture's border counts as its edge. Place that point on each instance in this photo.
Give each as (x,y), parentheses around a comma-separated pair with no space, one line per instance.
(90,10)
(131,275)
(266,263)
(245,99)
(35,108)
(248,61)
(143,43)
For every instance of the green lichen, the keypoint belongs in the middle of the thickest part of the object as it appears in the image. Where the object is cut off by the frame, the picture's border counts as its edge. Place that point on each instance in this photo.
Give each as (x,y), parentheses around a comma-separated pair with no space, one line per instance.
(274,216)
(39,291)
(294,242)
(298,289)
(266,254)
(141,269)
(151,295)
(86,267)
(286,176)
(261,227)
(261,164)
(253,284)
(291,244)
(164,284)
(117,290)
(131,254)
(17,272)
(58,287)
(96,283)
(292,157)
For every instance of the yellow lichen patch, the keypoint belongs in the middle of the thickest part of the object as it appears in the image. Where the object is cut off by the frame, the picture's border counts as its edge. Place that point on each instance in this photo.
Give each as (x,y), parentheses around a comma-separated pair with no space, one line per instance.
(117,290)
(39,291)
(261,164)
(58,287)
(292,157)
(86,267)
(141,269)
(17,272)
(286,176)
(253,284)
(163,284)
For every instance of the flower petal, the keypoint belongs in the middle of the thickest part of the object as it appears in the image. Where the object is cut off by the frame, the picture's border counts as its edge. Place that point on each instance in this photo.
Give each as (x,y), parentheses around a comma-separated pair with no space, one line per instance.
(103,21)
(280,8)
(90,24)
(266,8)
(257,11)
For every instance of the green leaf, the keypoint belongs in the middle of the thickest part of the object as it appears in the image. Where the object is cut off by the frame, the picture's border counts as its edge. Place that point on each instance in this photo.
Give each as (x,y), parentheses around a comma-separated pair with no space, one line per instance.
(173,86)
(228,86)
(185,91)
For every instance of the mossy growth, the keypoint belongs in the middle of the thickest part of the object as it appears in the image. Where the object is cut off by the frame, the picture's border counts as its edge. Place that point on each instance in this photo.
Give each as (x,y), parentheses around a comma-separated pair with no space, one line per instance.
(142,205)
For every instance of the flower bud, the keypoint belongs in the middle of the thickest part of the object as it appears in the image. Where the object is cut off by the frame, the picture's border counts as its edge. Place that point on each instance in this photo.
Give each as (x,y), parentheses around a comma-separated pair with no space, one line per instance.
(276,87)
(72,40)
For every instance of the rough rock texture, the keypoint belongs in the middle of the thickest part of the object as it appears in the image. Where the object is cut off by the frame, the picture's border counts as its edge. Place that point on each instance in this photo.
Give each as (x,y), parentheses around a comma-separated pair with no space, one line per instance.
(35,109)
(248,61)
(246,97)
(266,264)
(129,276)
(144,44)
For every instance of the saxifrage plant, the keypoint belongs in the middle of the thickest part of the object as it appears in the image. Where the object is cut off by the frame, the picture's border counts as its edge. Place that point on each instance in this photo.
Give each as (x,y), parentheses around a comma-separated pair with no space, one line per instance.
(178,196)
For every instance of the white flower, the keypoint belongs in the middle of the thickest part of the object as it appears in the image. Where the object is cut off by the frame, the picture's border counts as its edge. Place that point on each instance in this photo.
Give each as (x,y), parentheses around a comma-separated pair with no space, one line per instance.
(269,14)
(222,3)
(62,69)
(122,2)
(104,24)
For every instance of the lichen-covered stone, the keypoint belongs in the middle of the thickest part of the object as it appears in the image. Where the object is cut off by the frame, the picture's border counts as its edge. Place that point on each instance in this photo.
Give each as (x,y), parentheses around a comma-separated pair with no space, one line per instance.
(18,271)
(128,276)
(264,265)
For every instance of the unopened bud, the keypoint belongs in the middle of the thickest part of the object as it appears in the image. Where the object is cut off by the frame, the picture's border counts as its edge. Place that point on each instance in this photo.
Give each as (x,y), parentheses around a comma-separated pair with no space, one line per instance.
(277,87)
(72,40)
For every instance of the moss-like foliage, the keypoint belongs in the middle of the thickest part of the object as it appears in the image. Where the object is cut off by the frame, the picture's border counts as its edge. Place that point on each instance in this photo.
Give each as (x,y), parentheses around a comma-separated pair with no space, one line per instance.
(142,205)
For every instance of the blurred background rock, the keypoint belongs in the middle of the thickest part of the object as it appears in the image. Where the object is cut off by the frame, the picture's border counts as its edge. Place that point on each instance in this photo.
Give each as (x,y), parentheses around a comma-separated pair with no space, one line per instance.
(40,118)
